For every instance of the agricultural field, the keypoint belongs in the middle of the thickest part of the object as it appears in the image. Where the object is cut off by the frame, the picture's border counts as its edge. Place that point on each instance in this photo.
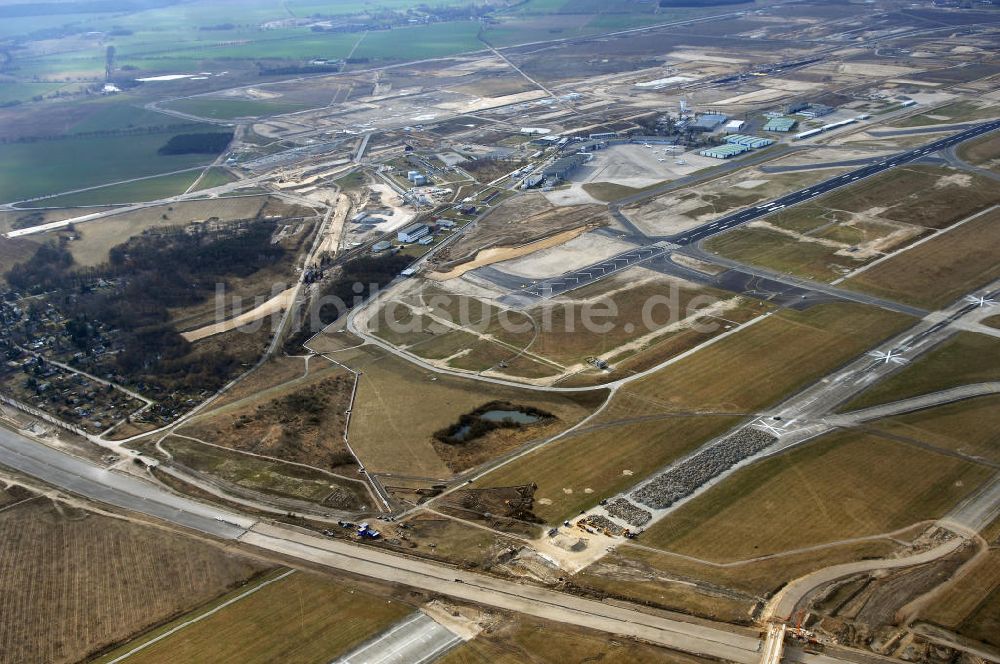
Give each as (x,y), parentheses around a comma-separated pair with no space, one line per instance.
(840,232)
(299,618)
(840,486)
(940,270)
(87,162)
(101,579)
(147,189)
(965,358)
(523,639)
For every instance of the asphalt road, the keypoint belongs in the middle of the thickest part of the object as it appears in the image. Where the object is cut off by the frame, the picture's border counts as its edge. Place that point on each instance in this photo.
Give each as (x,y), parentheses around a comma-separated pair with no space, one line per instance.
(415,640)
(665,245)
(814,191)
(86,479)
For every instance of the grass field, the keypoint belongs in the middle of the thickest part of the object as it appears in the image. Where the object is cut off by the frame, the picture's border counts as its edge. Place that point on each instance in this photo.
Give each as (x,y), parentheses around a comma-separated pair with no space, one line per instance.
(77,162)
(214,177)
(524,639)
(645,575)
(759,365)
(656,419)
(579,470)
(841,231)
(940,270)
(965,358)
(303,618)
(839,486)
(228,108)
(98,236)
(982,152)
(399,407)
(959,111)
(970,427)
(149,189)
(269,477)
(767,248)
(971,606)
(100,579)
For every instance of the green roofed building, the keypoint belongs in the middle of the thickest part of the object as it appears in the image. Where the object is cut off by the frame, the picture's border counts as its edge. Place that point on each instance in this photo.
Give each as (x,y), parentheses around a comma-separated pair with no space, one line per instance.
(724,151)
(781,124)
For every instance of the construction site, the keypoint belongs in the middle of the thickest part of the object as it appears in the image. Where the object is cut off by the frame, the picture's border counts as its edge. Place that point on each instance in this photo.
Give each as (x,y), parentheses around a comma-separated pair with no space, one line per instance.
(693,320)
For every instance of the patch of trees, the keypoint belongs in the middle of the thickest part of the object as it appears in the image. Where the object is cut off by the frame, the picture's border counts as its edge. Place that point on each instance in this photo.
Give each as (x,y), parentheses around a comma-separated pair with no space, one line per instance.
(472,425)
(144,278)
(126,131)
(44,271)
(208,143)
(359,279)
(293,70)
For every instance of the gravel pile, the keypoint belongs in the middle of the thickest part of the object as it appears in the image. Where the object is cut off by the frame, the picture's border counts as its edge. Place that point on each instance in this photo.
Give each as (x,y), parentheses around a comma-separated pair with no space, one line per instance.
(682,480)
(626,511)
(602,523)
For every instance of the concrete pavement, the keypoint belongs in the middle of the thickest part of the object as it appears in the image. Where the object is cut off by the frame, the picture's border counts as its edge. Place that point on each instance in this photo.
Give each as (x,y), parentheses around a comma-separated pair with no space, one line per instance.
(90,481)
(415,640)
(86,479)
(733,645)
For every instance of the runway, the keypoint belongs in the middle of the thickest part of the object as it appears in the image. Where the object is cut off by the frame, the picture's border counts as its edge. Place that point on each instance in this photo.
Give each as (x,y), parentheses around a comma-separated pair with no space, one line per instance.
(662,246)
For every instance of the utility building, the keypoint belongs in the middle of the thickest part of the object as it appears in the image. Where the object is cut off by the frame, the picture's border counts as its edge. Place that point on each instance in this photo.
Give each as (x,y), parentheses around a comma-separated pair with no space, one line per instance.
(708,122)
(747,141)
(561,168)
(413,232)
(780,124)
(724,151)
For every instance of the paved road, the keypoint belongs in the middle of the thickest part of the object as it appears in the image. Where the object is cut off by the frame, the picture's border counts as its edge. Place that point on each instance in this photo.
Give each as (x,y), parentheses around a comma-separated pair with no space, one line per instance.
(86,479)
(732,645)
(783,604)
(415,640)
(814,191)
(665,245)
(829,290)
(921,402)
(114,488)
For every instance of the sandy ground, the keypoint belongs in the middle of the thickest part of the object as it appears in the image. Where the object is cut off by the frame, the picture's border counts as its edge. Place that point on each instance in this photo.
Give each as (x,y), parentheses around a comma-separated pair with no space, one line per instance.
(278,303)
(400,216)
(335,231)
(578,252)
(500,254)
(574,195)
(876,70)
(638,166)
(767,94)
(483,104)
